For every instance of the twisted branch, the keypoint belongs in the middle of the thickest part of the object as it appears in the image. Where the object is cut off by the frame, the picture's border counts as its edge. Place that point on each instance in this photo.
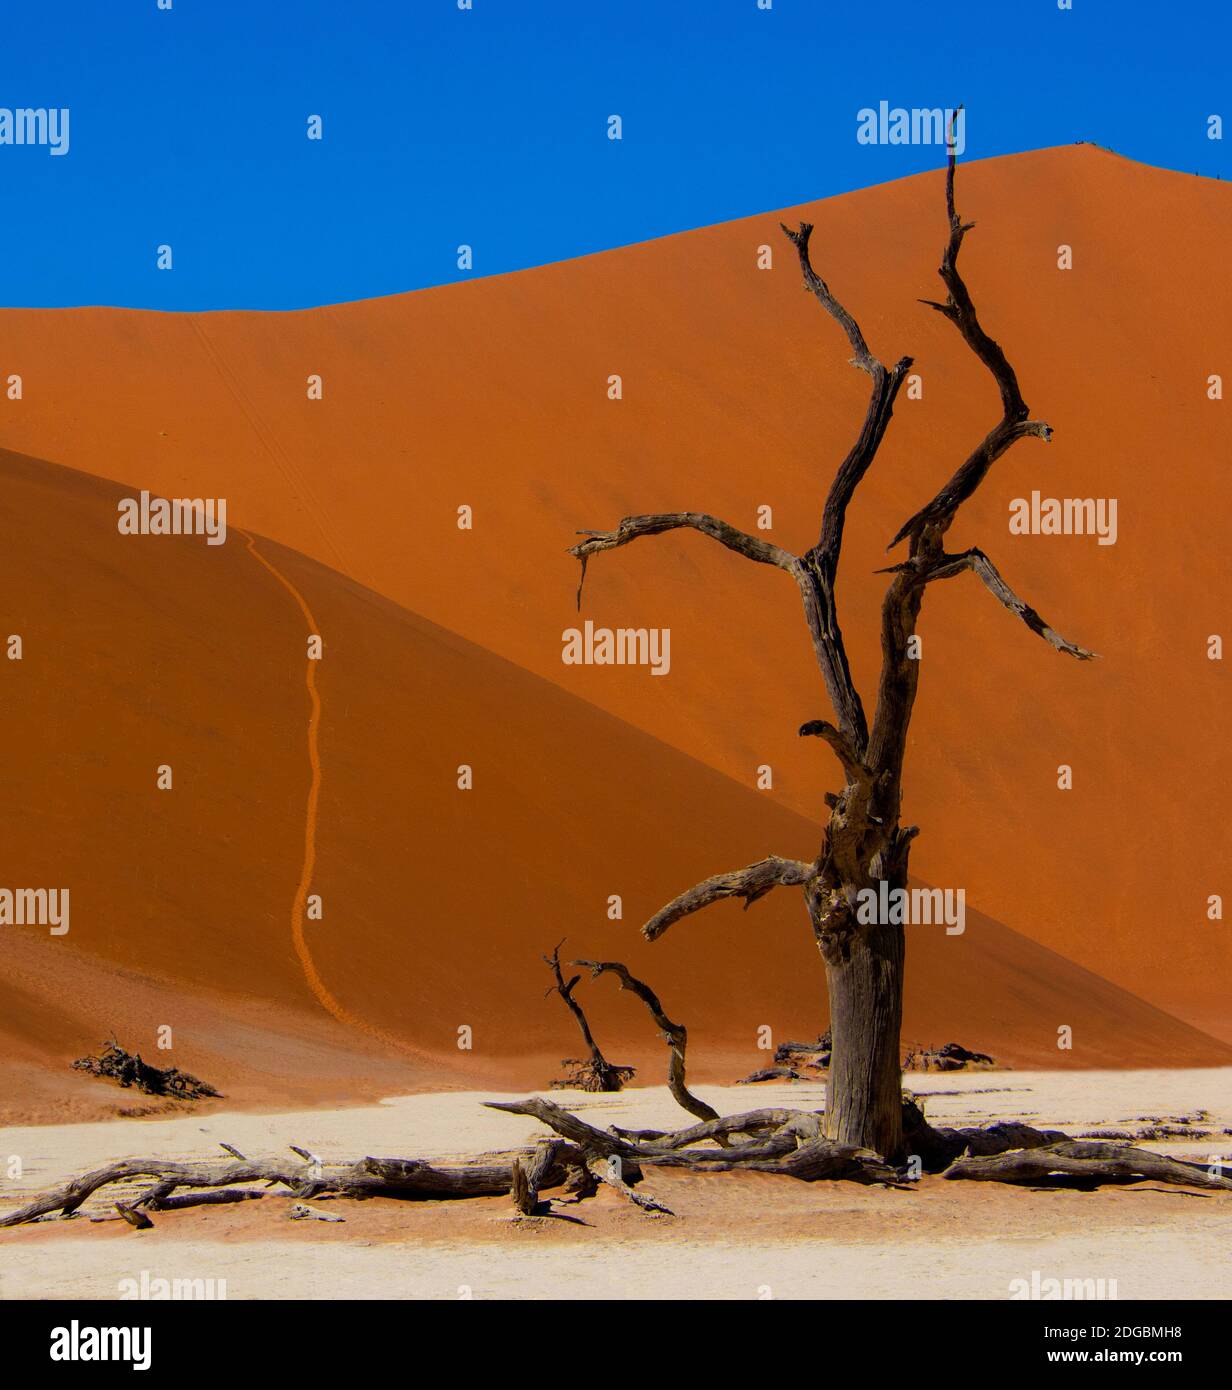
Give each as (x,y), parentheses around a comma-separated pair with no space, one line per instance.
(676,1034)
(818,728)
(1087,1163)
(821,562)
(750,884)
(1014,423)
(633,528)
(925,530)
(976,561)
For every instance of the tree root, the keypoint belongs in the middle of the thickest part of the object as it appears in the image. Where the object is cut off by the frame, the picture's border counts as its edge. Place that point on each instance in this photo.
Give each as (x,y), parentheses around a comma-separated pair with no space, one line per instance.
(578,1158)
(788,1142)
(938,1148)
(586,1074)
(1075,1163)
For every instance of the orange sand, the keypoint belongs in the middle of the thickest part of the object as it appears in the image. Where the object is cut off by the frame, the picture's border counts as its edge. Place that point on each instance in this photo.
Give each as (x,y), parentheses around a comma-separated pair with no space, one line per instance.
(592,781)
(437,902)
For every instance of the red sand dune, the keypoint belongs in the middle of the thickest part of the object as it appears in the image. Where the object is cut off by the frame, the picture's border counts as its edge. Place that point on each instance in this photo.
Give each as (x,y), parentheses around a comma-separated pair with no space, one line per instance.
(141,651)
(736,394)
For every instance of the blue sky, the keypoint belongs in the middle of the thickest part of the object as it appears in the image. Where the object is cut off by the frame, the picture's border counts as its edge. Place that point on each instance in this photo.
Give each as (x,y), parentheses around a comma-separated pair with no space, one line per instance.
(489,126)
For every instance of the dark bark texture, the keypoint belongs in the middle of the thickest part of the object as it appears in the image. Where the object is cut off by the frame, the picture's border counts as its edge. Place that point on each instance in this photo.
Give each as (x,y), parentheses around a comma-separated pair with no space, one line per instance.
(578,1158)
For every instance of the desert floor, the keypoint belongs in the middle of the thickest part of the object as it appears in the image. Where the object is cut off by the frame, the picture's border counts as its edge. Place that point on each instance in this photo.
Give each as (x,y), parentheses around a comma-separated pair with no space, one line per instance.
(732,1236)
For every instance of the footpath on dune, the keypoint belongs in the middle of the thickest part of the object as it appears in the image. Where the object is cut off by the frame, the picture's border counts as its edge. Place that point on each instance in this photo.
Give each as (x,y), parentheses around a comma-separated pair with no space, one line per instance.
(735,395)
(454,815)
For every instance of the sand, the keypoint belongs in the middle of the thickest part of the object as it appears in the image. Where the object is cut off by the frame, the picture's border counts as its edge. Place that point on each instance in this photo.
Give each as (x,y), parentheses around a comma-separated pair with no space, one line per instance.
(737,1236)
(493,394)
(187,906)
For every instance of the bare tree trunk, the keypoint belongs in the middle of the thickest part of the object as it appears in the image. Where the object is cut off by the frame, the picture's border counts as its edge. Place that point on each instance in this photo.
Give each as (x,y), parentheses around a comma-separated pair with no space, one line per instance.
(864,1104)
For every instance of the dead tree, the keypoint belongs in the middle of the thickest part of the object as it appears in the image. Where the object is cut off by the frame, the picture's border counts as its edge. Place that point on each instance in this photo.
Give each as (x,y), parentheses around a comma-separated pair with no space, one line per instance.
(863,843)
(593,1073)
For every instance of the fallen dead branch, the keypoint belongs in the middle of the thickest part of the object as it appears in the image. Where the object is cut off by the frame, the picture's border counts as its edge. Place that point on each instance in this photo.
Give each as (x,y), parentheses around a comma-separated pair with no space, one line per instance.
(113,1062)
(487,1175)
(937,1148)
(787,1142)
(769,1074)
(610,1171)
(950,1056)
(578,1158)
(527,1177)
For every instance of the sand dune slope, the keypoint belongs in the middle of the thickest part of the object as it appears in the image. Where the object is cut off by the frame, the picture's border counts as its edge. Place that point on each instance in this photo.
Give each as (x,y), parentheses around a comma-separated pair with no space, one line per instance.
(736,394)
(144,652)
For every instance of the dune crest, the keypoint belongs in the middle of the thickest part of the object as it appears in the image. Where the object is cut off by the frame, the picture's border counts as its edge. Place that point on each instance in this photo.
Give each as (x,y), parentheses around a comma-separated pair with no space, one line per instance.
(494,395)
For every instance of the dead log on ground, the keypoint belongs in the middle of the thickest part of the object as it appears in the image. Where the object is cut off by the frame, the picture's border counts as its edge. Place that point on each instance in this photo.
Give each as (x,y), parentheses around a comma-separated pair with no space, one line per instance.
(530,1175)
(488,1175)
(610,1171)
(769,1074)
(211,1197)
(113,1062)
(805,1056)
(950,1056)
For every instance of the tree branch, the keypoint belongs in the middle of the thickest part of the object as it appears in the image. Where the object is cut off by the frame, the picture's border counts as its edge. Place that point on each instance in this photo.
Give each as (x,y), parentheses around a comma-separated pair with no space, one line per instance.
(606,1170)
(815,574)
(817,286)
(748,1122)
(632,528)
(925,530)
(566,1124)
(820,565)
(818,728)
(1014,424)
(786,1151)
(975,560)
(750,884)
(676,1034)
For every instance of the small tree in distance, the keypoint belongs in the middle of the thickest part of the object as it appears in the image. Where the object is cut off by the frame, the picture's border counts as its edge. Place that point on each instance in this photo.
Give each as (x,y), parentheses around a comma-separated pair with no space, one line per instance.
(863,843)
